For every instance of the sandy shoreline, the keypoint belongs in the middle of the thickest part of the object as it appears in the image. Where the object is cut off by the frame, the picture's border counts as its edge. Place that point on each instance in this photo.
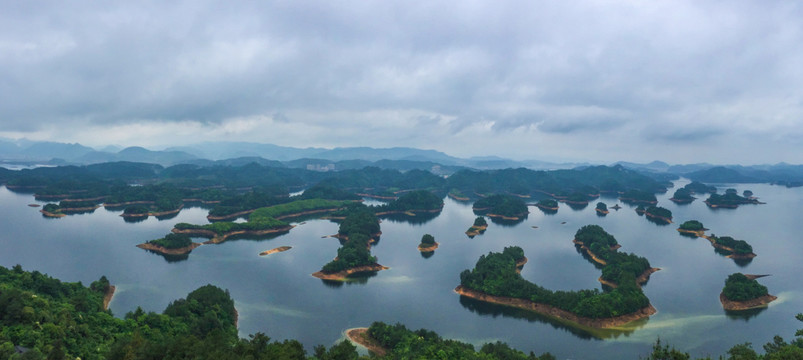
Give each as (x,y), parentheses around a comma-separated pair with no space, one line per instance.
(429,248)
(276,250)
(360,337)
(166,251)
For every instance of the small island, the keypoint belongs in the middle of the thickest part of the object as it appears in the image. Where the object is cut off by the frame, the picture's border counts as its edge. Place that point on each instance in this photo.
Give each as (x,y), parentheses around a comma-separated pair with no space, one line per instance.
(275,250)
(743,292)
(171,244)
(602,209)
(659,214)
(427,244)
(640,210)
(736,249)
(692,227)
(547,204)
(682,196)
(505,207)
(696,187)
(479,227)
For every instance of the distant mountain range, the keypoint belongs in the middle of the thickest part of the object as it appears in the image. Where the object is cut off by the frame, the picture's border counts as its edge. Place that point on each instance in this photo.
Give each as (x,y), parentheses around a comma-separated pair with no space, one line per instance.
(400,158)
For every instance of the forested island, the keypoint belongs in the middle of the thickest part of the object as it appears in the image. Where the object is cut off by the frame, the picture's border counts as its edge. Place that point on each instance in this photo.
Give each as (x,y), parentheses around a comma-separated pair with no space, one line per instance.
(682,196)
(479,227)
(356,233)
(638,197)
(735,249)
(730,200)
(743,292)
(495,279)
(505,207)
(692,227)
(658,214)
(601,208)
(548,206)
(427,244)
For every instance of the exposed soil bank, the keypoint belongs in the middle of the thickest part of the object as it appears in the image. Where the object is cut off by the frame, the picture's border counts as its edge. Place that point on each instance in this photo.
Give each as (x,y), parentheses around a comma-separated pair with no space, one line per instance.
(476,230)
(341,275)
(698,233)
(640,280)
(276,250)
(660,218)
(360,336)
(52,215)
(544,207)
(758,302)
(166,251)
(503,217)
(604,212)
(427,248)
(548,310)
(458,198)
(153,213)
(733,254)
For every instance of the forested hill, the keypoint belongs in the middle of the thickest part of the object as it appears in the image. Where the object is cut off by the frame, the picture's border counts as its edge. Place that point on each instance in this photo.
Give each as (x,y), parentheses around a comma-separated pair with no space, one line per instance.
(100,179)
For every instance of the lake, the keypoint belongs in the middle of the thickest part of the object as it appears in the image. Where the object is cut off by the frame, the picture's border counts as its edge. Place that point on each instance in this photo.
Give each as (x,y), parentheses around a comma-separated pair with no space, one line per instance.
(277,296)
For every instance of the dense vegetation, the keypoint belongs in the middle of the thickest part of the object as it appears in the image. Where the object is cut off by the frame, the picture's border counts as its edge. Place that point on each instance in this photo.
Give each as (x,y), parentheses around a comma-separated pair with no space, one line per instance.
(659,212)
(495,274)
(403,343)
(692,225)
(246,202)
(480,221)
(223,227)
(356,230)
(741,288)
(739,247)
(682,195)
(173,241)
(548,203)
(696,187)
(729,200)
(636,196)
(320,191)
(296,207)
(427,240)
(419,200)
(499,204)
(620,267)
(56,320)
(601,206)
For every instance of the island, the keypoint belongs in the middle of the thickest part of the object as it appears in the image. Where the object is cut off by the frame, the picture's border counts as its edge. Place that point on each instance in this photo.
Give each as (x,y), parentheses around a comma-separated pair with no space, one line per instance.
(640,209)
(411,203)
(692,227)
(275,250)
(171,244)
(696,187)
(735,249)
(479,227)
(730,200)
(659,214)
(427,244)
(682,196)
(495,279)
(355,233)
(458,195)
(743,292)
(501,206)
(602,209)
(548,206)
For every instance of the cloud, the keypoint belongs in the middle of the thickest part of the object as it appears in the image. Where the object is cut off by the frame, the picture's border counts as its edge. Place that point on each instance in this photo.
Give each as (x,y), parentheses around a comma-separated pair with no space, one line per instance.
(370,69)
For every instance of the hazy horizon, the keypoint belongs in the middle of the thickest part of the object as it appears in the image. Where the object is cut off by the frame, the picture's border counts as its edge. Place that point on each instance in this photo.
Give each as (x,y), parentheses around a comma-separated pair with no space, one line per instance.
(677,81)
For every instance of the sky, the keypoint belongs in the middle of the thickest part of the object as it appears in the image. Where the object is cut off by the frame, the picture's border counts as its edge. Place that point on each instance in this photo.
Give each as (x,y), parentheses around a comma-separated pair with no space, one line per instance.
(678,81)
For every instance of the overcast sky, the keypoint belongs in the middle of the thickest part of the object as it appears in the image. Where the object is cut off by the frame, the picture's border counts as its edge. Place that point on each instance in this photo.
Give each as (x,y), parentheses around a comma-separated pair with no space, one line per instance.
(680,81)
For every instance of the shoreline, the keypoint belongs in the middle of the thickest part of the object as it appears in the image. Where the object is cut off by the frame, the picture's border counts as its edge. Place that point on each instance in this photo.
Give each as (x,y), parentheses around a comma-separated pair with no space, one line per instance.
(551,311)
(604,212)
(698,233)
(215,238)
(682,201)
(544,207)
(656,217)
(733,254)
(429,248)
(160,213)
(476,230)
(166,251)
(360,337)
(52,215)
(458,198)
(640,280)
(732,305)
(342,275)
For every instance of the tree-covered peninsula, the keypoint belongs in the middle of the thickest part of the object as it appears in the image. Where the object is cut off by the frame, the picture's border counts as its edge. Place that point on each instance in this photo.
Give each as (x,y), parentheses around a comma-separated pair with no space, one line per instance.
(729,200)
(743,292)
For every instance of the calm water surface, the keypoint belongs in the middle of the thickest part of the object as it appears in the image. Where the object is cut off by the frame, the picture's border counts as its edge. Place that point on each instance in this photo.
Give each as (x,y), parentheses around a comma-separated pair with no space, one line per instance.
(276,294)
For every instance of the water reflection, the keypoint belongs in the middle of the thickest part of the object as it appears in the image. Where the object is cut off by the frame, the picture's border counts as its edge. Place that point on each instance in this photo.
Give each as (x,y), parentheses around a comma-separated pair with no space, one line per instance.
(494,310)
(134,220)
(744,315)
(577,207)
(659,222)
(508,222)
(360,278)
(427,254)
(171,258)
(416,219)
